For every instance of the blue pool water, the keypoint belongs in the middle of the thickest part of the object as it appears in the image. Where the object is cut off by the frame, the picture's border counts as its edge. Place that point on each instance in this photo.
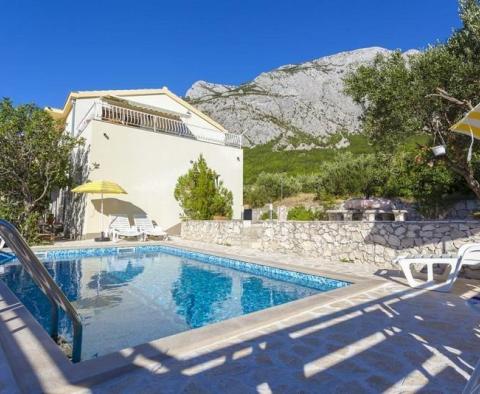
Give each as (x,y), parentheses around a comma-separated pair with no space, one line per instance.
(133,296)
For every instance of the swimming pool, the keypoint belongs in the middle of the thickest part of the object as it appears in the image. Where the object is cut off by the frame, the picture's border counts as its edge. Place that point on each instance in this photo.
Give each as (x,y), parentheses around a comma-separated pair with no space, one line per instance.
(129,296)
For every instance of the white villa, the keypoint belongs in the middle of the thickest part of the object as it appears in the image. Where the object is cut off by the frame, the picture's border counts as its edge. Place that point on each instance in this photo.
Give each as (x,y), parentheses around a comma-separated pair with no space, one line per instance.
(143,140)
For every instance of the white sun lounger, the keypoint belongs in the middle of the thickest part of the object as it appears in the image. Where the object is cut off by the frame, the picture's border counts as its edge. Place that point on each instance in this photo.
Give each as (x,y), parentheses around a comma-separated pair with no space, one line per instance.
(473,385)
(145,225)
(120,227)
(2,243)
(468,254)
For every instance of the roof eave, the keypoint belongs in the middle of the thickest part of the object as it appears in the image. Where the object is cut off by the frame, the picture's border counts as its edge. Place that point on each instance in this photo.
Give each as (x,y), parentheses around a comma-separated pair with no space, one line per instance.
(62,113)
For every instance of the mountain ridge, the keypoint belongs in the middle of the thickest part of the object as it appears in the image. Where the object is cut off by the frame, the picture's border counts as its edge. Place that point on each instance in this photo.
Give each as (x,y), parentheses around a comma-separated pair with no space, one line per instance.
(296,106)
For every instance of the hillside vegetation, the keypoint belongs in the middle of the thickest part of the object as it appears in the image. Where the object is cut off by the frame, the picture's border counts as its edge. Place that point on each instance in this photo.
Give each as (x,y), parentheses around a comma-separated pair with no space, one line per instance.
(410,172)
(263,158)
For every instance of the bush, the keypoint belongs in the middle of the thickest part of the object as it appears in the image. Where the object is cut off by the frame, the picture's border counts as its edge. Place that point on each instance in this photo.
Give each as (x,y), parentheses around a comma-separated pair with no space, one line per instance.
(271,187)
(300,213)
(201,195)
(278,185)
(431,183)
(256,196)
(309,183)
(266,215)
(26,223)
(349,175)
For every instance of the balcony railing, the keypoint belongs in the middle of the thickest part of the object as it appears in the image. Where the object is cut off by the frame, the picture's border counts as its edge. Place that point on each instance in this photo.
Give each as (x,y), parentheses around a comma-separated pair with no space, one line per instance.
(111,113)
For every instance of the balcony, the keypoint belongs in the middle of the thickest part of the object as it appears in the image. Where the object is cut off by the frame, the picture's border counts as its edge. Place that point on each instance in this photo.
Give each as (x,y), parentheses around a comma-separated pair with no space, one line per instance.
(151,120)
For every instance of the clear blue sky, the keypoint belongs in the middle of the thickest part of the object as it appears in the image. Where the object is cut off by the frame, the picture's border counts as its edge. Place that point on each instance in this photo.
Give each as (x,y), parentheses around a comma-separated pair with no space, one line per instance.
(48,48)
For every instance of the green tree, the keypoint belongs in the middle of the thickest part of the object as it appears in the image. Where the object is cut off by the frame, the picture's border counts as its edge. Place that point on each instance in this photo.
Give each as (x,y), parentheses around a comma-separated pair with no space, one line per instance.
(271,187)
(431,184)
(201,195)
(278,185)
(351,175)
(34,162)
(425,94)
(255,195)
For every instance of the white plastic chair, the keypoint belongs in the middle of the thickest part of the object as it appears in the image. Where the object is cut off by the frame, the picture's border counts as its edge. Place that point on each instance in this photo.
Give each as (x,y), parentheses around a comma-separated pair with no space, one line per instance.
(145,225)
(120,227)
(468,254)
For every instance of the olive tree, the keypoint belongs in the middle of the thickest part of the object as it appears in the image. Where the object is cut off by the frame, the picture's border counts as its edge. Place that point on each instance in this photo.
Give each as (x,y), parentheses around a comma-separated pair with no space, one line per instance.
(425,94)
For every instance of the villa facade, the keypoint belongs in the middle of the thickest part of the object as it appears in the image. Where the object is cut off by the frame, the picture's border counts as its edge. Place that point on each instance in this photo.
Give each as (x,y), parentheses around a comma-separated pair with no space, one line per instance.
(143,140)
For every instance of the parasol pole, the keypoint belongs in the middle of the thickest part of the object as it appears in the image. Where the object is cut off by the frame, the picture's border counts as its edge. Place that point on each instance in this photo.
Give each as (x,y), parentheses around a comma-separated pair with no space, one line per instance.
(101,217)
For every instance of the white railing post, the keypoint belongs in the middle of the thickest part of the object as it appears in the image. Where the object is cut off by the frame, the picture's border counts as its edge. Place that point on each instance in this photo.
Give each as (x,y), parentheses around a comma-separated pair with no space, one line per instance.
(98,110)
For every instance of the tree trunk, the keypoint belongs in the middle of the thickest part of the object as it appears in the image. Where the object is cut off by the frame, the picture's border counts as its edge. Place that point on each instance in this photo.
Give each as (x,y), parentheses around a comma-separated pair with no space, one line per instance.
(466,171)
(473,183)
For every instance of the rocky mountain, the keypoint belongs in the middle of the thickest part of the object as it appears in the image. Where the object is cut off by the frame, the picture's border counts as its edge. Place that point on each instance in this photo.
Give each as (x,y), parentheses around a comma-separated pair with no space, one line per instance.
(298,106)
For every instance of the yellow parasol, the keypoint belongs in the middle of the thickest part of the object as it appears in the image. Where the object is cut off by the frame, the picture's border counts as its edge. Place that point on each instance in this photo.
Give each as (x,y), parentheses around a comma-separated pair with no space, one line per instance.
(469,125)
(100,187)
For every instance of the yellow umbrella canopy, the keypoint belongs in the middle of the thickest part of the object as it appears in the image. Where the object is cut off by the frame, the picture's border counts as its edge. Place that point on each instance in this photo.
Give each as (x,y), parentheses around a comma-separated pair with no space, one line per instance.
(100,187)
(469,125)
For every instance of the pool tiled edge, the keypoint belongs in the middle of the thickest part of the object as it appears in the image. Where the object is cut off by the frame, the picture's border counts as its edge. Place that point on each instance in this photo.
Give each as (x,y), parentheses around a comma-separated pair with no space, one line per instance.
(284,274)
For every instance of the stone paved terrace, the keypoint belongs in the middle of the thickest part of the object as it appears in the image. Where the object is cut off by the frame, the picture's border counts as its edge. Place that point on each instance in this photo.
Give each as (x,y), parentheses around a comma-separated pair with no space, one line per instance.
(388,339)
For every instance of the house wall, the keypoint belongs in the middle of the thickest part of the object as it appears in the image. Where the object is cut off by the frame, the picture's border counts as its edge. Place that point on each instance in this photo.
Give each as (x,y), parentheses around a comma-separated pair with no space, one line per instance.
(82,106)
(147,165)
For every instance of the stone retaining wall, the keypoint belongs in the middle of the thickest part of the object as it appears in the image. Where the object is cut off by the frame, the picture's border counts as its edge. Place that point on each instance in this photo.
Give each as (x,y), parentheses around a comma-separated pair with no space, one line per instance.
(460,210)
(356,242)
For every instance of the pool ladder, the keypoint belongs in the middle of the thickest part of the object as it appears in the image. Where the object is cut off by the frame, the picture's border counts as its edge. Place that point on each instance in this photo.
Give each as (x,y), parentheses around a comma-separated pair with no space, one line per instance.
(47,285)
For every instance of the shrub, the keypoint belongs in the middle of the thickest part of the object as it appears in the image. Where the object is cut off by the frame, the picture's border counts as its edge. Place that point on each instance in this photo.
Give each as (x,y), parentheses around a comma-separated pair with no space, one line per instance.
(278,185)
(300,213)
(266,215)
(255,195)
(309,183)
(26,223)
(349,175)
(201,195)
(431,183)
(271,187)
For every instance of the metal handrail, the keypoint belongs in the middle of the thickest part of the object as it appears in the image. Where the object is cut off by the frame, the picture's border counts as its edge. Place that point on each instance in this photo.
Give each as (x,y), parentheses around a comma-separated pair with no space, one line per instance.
(47,285)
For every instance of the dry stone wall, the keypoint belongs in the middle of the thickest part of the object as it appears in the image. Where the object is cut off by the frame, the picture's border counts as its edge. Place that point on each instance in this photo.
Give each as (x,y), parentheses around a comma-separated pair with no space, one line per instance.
(354,242)
(460,210)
